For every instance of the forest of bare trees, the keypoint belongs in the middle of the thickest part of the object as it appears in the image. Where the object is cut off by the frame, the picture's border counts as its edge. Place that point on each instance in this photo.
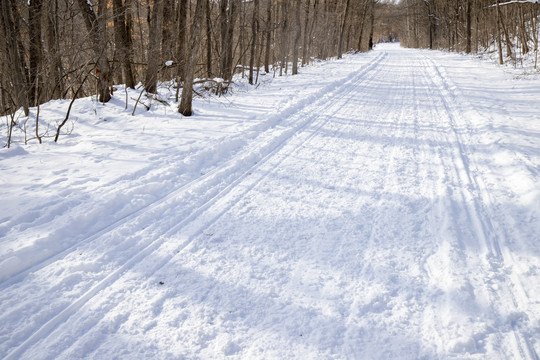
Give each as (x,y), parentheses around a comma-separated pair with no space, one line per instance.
(472,26)
(63,49)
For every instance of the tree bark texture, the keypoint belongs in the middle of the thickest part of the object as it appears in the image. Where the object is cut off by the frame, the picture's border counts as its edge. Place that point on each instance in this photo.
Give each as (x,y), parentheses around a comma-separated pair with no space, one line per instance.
(154,47)
(185,107)
(98,43)
(122,42)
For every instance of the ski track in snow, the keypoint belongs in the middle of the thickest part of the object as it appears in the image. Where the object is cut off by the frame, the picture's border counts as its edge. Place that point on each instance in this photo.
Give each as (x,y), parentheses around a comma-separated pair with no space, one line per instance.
(368,219)
(112,274)
(478,204)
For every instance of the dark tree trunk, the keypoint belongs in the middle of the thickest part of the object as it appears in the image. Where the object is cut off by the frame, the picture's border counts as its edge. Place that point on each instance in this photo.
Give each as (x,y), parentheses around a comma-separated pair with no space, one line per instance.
(154,47)
(306,38)
(54,59)
(233,14)
(506,35)
(35,49)
(342,29)
(372,16)
(167,49)
(254,31)
(182,34)
(268,33)
(224,30)
(523,32)
(123,45)
(185,107)
(312,26)
(469,32)
(284,35)
(362,23)
(17,77)
(98,40)
(499,42)
(208,39)
(228,12)
(297,37)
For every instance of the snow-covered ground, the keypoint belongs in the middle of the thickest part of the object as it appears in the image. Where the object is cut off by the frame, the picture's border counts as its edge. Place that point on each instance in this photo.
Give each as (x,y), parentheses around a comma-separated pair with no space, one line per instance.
(383,206)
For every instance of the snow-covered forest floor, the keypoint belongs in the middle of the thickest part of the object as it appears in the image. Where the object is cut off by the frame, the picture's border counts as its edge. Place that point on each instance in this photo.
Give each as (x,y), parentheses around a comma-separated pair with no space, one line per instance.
(383,206)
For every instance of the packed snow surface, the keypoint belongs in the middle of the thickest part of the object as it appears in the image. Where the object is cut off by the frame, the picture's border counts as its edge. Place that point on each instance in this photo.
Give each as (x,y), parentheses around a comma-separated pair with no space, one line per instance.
(383,206)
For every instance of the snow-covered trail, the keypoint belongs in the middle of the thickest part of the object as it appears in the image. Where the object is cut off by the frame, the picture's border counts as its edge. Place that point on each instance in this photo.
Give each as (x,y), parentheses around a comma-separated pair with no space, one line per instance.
(390,218)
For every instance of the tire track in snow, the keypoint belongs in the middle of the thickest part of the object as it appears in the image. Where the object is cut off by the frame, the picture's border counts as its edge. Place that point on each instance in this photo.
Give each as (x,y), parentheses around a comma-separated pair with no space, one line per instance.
(476,203)
(239,164)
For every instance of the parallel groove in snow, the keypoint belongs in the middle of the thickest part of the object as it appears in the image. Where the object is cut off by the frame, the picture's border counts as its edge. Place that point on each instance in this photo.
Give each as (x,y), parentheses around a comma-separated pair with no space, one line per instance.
(231,167)
(473,194)
(479,205)
(356,223)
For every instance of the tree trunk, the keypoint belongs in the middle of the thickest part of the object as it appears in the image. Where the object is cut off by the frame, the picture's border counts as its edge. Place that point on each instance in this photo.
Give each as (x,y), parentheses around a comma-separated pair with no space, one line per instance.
(254,31)
(523,30)
(56,86)
(35,49)
(268,33)
(469,32)
(154,47)
(342,29)
(372,17)
(181,45)
(167,48)
(123,45)
(19,89)
(506,36)
(284,35)
(228,13)
(208,40)
(324,50)
(306,38)
(430,23)
(499,44)
(314,23)
(98,40)
(224,30)
(297,37)
(228,53)
(185,107)
(362,23)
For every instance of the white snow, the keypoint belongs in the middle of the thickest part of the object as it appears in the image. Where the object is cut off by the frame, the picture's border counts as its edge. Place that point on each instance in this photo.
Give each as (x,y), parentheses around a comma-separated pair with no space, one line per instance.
(383,206)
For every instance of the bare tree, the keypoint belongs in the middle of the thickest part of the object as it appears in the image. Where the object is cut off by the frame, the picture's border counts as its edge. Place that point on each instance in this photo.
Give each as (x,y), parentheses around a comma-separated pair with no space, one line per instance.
(284,36)
(55,69)
(98,41)
(154,46)
(185,107)
(342,29)
(268,35)
(13,56)
(180,47)
(254,31)
(35,49)
(297,37)
(122,42)
(208,16)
